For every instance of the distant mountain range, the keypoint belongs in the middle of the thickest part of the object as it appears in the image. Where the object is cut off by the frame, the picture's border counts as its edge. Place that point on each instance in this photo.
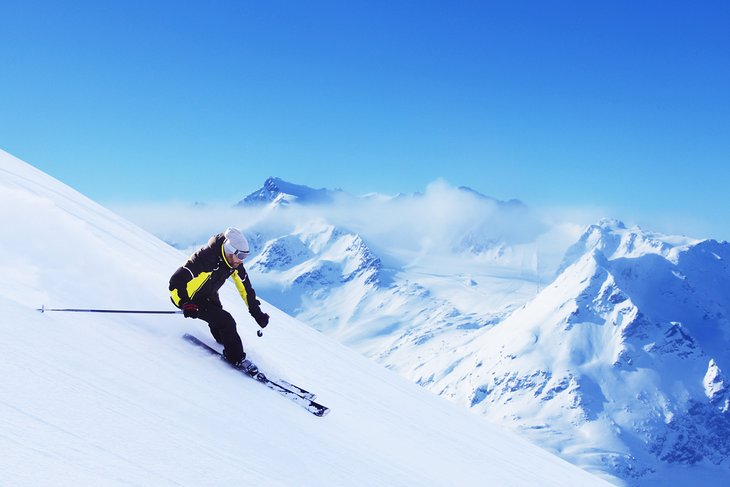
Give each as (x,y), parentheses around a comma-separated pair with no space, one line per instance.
(619,364)
(279,192)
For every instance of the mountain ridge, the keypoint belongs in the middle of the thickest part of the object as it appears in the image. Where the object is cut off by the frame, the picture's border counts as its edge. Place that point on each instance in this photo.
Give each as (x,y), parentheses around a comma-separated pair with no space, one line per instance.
(277,191)
(610,342)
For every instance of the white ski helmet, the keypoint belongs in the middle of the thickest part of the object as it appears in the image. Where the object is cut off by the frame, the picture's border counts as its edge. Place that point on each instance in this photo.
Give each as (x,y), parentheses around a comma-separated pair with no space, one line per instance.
(235,243)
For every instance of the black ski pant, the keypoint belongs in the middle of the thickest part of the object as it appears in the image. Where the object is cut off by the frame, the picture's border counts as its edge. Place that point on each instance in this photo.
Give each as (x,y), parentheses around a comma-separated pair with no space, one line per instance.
(223,328)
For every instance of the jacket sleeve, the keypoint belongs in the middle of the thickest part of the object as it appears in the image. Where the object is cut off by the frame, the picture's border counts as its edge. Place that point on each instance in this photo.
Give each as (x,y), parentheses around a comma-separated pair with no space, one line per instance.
(179,285)
(183,281)
(245,289)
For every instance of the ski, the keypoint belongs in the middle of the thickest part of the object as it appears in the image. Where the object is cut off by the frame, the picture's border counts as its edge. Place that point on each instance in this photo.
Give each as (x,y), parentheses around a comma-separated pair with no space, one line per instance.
(295,388)
(296,394)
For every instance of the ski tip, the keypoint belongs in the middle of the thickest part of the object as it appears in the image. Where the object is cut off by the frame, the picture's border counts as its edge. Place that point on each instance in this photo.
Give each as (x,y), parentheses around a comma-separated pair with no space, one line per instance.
(318,409)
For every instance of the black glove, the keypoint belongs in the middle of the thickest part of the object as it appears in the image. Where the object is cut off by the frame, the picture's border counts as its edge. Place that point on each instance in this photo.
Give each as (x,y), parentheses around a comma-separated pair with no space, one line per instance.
(261,318)
(190,310)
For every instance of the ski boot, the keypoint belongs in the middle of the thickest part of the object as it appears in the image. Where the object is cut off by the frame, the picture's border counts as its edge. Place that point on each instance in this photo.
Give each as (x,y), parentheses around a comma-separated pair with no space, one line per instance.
(248,367)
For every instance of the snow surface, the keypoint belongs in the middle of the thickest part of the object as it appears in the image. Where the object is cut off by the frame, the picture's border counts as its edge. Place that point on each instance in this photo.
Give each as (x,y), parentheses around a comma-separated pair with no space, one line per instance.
(97,399)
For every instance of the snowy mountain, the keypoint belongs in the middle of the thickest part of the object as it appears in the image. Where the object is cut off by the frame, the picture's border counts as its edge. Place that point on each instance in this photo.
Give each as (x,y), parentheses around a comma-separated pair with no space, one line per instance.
(111,399)
(369,291)
(618,365)
(619,361)
(279,192)
(333,280)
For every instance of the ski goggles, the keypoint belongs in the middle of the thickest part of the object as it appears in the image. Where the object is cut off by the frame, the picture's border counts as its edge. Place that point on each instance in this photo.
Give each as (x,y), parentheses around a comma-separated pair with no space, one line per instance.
(240,254)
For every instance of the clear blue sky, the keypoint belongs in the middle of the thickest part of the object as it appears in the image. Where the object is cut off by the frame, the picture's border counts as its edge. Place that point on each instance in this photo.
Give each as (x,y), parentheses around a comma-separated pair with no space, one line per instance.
(623,105)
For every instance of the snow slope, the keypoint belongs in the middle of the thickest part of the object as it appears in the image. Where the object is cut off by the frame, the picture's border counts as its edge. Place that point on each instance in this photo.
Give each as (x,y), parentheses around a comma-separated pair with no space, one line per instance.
(93,399)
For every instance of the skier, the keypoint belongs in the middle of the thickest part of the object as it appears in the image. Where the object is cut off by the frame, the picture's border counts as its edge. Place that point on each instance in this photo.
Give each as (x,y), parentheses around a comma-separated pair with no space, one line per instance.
(194,289)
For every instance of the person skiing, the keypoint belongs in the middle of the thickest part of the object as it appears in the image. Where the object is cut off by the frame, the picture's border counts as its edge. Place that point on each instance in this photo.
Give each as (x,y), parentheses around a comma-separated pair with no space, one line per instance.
(194,289)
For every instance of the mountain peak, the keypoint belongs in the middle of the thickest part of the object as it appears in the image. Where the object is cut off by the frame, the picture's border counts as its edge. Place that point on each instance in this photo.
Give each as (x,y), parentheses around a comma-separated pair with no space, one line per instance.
(610,224)
(615,240)
(513,203)
(276,190)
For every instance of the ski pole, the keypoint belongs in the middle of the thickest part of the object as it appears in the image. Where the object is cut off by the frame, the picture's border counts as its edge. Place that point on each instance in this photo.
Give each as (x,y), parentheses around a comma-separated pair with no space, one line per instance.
(43,309)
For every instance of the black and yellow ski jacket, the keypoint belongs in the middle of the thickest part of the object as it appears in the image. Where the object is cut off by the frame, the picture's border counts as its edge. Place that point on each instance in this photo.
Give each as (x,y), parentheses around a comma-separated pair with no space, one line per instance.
(201,277)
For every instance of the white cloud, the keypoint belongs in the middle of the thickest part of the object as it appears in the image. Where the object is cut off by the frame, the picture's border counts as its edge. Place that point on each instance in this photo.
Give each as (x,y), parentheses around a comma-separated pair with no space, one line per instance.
(440,221)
